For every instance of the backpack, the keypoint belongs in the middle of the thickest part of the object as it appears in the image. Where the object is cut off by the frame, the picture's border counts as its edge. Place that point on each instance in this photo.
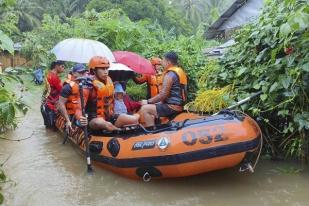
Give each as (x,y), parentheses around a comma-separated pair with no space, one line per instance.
(38,76)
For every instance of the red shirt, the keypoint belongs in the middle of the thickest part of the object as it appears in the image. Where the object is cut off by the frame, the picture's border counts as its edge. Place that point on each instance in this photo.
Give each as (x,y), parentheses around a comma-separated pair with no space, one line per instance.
(131,105)
(54,87)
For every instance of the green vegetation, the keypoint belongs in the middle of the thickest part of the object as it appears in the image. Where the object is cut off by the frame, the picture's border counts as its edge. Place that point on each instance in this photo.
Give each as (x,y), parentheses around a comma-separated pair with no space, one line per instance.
(272,56)
(118,32)
(201,12)
(136,91)
(10,104)
(2,180)
(181,17)
(7,44)
(156,11)
(29,14)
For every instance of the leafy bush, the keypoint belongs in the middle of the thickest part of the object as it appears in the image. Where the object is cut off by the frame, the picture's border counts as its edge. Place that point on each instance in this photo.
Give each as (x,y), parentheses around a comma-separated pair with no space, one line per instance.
(271,55)
(137,92)
(2,179)
(8,23)
(9,107)
(153,10)
(37,44)
(112,28)
(6,43)
(118,32)
(9,103)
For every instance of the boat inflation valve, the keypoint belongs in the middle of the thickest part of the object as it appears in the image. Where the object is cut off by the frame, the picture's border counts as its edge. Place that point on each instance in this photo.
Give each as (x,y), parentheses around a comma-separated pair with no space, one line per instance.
(113,147)
(146,177)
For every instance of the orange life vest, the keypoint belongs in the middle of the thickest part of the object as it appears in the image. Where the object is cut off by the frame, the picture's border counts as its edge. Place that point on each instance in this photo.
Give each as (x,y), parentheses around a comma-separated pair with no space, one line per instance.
(105,98)
(183,80)
(155,84)
(71,104)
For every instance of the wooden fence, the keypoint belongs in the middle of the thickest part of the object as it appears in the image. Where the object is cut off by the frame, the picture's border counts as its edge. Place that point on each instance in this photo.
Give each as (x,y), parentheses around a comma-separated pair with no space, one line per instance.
(9,60)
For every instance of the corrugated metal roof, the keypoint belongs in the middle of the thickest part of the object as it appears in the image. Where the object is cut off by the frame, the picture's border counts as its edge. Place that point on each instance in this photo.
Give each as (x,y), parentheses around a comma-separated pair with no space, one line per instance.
(213,29)
(228,13)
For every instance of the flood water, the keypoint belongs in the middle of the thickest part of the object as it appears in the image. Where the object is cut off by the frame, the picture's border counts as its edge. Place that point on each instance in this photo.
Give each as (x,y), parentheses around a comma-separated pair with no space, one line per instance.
(43,172)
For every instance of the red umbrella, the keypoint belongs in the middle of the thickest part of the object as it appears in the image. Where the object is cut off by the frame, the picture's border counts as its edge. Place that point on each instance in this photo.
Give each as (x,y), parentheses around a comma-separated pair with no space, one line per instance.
(136,62)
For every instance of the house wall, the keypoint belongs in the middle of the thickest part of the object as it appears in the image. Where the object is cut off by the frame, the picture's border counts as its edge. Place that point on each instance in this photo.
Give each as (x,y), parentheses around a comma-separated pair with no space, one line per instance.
(9,60)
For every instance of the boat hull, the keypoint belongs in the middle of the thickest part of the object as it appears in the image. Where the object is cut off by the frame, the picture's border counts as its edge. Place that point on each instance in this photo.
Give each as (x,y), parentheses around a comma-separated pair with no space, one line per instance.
(189,146)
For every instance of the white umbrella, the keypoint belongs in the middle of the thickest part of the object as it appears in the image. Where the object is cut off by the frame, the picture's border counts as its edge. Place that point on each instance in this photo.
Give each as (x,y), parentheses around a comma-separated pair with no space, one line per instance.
(119,67)
(81,50)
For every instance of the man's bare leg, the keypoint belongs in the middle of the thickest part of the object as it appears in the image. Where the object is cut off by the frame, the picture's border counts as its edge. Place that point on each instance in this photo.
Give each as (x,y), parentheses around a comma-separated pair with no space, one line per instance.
(100,123)
(149,113)
(125,119)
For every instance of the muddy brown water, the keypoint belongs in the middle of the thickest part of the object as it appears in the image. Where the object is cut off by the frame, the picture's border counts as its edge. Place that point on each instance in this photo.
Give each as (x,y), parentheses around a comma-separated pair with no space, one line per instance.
(43,172)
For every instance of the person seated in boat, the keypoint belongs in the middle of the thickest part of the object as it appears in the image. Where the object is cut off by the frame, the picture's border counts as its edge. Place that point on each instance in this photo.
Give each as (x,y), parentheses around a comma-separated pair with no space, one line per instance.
(51,93)
(154,82)
(69,95)
(99,100)
(132,106)
(119,105)
(123,104)
(172,97)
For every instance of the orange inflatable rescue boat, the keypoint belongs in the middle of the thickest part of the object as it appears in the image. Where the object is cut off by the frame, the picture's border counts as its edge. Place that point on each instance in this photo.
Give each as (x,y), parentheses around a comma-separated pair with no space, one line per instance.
(187,145)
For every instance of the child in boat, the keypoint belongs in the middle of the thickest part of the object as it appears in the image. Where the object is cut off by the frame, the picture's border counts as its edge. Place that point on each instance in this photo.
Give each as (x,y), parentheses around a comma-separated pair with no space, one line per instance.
(123,103)
(119,105)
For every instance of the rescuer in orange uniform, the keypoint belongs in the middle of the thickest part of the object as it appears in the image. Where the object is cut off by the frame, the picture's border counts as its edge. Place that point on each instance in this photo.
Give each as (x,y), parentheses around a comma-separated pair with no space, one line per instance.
(172,97)
(154,82)
(69,95)
(99,100)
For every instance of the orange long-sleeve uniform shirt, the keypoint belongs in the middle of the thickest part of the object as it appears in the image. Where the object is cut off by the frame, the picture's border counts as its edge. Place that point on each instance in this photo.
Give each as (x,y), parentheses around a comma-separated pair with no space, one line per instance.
(154,83)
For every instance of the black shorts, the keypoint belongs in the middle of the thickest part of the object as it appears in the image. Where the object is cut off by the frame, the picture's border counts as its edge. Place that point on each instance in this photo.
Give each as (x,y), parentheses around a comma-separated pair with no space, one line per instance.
(49,116)
(163,110)
(113,118)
